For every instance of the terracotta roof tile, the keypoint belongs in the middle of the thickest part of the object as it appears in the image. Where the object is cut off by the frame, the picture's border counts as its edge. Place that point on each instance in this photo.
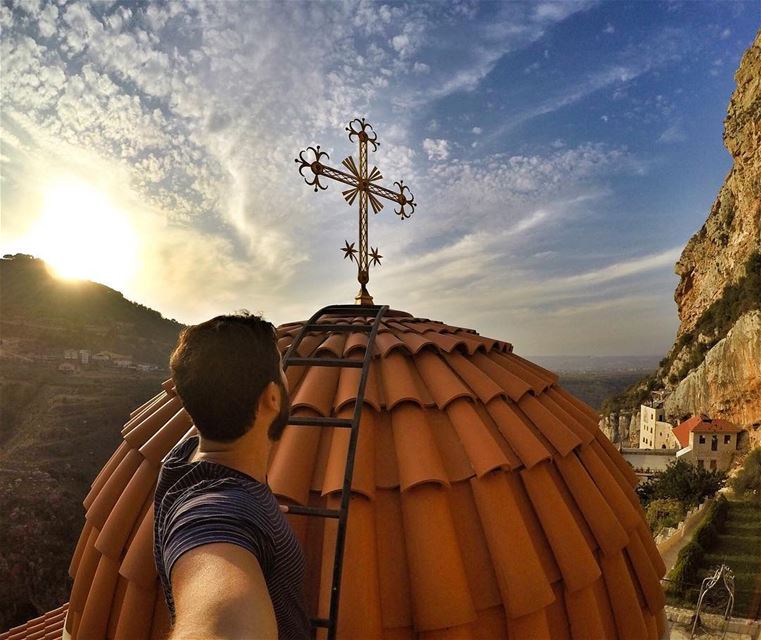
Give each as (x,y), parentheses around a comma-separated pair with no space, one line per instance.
(438,583)
(513,386)
(510,363)
(481,384)
(393,573)
(348,383)
(363,480)
(486,501)
(401,382)
(139,434)
(524,586)
(159,444)
(49,624)
(137,609)
(521,437)
(137,565)
(483,452)
(105,473)
(417,455)
(333,345)
(608,531)
(627,612)
(440,380)
(474,548)
(117,528)
(104,502)
(572,553)
(96,611)
(563,439)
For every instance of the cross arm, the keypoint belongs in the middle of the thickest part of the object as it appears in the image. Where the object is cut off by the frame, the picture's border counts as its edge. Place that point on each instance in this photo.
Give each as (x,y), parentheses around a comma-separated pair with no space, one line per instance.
(403,197)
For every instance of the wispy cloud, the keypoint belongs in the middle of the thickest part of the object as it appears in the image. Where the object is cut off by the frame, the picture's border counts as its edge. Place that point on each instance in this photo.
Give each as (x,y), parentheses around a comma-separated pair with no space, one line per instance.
(190,114)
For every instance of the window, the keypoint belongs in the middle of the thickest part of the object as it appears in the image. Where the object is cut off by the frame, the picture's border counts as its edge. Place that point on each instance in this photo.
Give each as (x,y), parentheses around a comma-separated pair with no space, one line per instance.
(714,442)
(701,464)
(727,439)
(713,465)
(663,446)
(702,439)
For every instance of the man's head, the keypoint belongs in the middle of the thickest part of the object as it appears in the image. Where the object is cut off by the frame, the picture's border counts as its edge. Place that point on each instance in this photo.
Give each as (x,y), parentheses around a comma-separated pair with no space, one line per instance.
(226,370)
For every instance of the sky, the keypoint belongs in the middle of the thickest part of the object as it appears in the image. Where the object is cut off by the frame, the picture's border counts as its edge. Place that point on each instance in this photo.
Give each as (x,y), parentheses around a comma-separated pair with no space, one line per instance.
(560,155)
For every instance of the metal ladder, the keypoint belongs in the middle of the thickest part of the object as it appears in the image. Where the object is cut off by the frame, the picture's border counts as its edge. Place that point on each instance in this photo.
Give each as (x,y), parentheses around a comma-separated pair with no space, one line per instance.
(292,359)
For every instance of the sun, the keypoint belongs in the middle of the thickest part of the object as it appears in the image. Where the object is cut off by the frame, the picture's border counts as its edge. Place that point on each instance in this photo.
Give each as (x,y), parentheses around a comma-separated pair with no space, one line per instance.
(82,235)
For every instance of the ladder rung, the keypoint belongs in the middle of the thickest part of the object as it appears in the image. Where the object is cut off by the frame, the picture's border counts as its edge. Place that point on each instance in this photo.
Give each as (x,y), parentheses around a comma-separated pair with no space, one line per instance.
(320,622)
(323,362)
(312,511)
(321,422)
(339,327)
(350,309)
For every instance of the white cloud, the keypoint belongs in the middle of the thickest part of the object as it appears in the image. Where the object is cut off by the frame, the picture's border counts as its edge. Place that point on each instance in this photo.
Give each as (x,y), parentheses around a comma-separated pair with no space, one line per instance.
(198,111)
(674,133)
(437,149)
(609,29)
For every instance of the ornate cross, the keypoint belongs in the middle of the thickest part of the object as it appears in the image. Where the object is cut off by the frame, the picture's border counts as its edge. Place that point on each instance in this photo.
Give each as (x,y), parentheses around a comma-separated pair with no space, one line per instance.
(363,184)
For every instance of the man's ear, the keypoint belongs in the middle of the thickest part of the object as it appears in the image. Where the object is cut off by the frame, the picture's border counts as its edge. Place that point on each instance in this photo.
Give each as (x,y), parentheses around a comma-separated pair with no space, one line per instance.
(270,398)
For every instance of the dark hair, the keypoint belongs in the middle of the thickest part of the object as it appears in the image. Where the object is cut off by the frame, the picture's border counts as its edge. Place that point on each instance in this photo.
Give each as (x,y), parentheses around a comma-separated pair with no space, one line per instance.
(220,369)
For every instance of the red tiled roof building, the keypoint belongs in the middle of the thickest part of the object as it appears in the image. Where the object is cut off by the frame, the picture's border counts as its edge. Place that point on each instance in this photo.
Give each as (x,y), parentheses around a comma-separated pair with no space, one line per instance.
(702,424)
(486,502)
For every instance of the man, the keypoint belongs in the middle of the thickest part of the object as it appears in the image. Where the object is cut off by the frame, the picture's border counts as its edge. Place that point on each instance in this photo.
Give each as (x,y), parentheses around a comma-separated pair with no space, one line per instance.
(229,563)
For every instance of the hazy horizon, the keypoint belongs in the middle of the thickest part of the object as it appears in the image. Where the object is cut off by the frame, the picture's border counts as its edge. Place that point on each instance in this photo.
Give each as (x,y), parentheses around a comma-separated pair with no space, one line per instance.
(561,155)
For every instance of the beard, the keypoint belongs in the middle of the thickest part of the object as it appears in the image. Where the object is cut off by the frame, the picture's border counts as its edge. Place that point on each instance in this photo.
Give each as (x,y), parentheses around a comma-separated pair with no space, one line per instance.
(281,419)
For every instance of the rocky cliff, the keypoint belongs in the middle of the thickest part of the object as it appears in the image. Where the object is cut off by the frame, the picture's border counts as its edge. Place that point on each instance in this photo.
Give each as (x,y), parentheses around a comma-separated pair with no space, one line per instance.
(715,257)
(714,366)
(728,382)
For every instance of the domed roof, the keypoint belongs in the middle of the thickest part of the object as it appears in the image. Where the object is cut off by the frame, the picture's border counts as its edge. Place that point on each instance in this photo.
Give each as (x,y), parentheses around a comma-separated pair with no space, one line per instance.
(486,502)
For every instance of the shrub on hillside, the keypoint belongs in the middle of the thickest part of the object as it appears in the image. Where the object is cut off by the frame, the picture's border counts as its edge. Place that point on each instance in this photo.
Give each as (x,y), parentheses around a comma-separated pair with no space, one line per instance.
(685,571)
(664,513)
(747,482)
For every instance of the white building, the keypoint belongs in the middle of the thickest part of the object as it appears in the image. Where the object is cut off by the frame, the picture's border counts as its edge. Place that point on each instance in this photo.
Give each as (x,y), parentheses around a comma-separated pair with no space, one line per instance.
(84,356)
(709,444)
(654,431)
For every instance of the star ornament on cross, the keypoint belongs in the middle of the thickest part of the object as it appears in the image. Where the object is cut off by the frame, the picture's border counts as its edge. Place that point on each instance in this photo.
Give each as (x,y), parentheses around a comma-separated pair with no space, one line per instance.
(364,187)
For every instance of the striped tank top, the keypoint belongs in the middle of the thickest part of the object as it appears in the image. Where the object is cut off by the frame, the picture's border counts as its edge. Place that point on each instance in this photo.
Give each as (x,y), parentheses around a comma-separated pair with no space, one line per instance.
(203,502)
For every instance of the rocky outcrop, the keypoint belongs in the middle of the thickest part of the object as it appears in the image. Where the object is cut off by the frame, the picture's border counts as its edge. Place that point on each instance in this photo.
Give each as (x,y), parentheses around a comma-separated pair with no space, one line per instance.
(728,382)
(715,256)
(622,428)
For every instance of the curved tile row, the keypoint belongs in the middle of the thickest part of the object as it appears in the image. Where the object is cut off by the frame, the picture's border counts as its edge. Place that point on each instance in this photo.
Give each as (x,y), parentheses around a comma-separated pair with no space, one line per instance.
(486,502)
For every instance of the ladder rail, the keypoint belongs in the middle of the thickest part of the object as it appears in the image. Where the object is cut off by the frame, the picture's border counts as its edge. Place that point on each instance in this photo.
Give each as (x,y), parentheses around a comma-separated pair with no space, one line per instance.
(348,476)
(376,312)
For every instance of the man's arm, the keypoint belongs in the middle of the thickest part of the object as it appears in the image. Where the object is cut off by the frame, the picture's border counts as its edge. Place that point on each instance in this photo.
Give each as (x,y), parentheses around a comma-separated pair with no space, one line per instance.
(220,592)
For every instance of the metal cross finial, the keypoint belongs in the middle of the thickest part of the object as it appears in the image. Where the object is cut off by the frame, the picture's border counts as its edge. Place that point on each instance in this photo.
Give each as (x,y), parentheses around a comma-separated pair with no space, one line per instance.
(363,184)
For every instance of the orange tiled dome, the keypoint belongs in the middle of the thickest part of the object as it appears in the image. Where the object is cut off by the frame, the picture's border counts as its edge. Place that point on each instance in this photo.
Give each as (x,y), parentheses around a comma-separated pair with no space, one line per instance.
(486,503)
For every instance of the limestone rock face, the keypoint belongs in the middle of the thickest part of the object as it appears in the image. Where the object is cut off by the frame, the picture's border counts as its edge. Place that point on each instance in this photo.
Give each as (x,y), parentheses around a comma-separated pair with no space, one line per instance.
(728,383)
(716,255)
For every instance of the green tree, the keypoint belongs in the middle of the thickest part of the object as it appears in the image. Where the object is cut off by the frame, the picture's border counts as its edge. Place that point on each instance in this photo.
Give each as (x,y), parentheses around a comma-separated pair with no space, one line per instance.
(681,481)
(748,480)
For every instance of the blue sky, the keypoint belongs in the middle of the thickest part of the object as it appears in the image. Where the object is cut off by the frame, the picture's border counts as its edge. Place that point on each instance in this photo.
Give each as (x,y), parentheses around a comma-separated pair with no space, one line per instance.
(561,155)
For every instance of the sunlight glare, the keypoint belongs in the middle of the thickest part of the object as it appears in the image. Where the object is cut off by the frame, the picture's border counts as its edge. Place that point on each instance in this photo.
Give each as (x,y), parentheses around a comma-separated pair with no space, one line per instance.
(81,235)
